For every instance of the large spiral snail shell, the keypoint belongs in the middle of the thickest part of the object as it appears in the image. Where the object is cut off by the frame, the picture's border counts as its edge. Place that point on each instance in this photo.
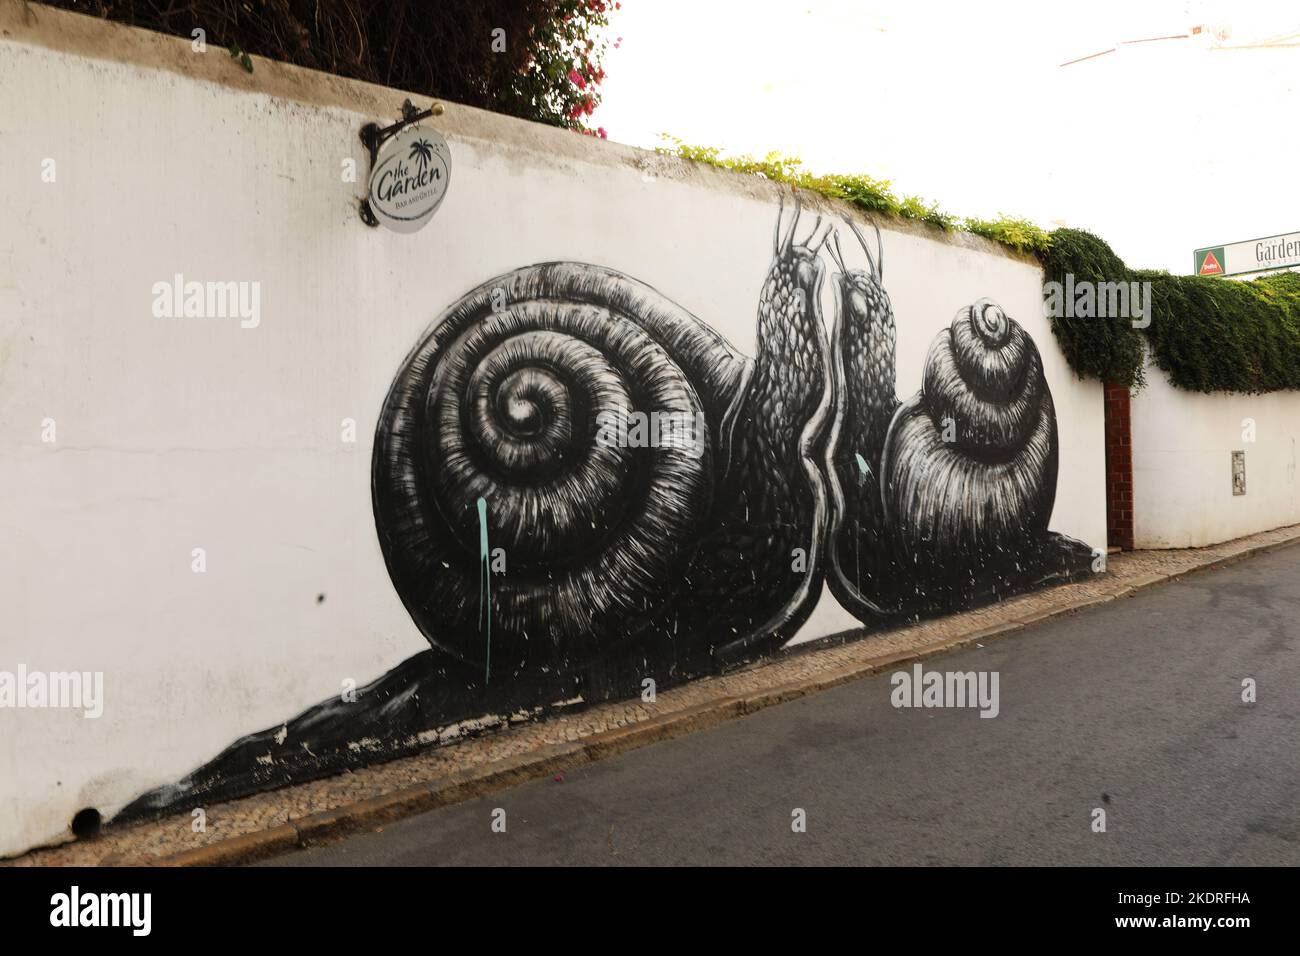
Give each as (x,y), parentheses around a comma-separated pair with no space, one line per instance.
(502,405)
(491,438)
(970,461)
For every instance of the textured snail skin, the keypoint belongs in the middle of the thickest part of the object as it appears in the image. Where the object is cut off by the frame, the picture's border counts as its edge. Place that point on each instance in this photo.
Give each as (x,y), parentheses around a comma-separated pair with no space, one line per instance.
(863,570)
(775,494)
(606,546)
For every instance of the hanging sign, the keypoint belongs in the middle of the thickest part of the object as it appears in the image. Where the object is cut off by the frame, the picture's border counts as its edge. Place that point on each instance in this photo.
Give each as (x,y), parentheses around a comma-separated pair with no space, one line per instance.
(410,178)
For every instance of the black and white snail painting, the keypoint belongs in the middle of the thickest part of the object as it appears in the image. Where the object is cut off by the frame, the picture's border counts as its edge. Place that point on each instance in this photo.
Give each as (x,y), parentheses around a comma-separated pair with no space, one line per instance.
(543,561)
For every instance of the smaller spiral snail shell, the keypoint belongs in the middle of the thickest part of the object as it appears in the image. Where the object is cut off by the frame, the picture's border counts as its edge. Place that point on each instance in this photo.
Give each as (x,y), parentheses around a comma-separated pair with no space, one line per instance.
(970,461)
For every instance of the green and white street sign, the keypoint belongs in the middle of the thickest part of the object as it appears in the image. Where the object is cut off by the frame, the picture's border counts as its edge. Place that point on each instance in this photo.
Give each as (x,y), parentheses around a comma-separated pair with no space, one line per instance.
(1254,255)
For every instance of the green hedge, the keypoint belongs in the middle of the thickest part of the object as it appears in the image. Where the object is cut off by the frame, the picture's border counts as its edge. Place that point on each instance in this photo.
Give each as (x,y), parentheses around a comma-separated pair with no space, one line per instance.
(1207,335)
(1107,349)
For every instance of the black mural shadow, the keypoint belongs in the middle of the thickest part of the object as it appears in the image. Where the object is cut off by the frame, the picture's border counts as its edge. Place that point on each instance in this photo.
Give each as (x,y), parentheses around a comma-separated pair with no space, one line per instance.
(430,699)
(385,721)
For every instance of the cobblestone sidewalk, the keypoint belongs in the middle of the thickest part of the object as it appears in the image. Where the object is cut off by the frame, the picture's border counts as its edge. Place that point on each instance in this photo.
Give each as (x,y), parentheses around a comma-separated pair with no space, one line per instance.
(279,820)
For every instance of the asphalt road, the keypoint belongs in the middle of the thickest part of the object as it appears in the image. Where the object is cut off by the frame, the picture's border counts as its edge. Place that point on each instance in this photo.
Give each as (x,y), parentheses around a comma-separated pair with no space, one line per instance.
(1135,708)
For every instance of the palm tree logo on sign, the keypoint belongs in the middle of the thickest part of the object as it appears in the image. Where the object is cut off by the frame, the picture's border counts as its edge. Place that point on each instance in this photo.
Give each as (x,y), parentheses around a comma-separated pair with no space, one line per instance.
(422,152)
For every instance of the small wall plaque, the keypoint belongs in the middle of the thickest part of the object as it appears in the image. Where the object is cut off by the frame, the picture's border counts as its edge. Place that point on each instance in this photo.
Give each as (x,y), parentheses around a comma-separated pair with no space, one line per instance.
(410,167)
(1238,472)
(410,179)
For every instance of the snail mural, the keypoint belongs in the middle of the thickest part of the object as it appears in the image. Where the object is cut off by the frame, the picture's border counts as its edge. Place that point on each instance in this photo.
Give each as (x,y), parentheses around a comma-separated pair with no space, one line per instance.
(625,560)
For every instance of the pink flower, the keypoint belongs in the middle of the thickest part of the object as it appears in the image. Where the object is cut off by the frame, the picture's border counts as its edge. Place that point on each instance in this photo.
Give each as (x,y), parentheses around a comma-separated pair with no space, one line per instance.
(603,134)
(577,79)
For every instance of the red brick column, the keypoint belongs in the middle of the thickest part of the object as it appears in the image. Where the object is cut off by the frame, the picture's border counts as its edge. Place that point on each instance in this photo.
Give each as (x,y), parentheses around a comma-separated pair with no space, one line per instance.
(1119,468)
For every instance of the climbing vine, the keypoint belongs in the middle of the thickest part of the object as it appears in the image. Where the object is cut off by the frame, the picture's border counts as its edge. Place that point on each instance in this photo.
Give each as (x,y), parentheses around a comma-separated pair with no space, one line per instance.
(864,192)
(1206,334)
(1105,348)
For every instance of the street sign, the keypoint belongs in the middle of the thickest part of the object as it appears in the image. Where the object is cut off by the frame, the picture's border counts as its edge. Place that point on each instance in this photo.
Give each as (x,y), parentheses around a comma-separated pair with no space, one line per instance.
(1254,255)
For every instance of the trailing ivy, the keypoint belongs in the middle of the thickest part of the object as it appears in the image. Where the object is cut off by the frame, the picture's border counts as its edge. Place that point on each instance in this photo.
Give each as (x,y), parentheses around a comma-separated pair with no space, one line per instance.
(1206,334)
(865,192)
(1012,231)
(1212,335)
(873,195)
(1108,349)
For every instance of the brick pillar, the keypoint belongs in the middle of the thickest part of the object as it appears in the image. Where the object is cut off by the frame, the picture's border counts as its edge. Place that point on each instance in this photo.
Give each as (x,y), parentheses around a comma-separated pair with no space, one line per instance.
(1119,468)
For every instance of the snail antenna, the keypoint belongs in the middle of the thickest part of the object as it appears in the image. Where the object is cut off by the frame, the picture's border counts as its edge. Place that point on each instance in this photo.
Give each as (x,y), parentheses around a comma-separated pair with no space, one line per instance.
(865,248)
(776,235)
(836,253)
(789,239)
(813,232)
(816,244)
(880,252)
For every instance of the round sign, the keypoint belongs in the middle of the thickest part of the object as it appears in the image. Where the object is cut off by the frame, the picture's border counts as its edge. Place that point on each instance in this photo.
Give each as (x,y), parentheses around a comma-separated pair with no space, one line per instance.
(409,179)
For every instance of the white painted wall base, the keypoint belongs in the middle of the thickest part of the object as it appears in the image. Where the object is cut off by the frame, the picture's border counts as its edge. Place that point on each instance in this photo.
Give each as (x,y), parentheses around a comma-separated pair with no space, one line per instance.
(1182,464)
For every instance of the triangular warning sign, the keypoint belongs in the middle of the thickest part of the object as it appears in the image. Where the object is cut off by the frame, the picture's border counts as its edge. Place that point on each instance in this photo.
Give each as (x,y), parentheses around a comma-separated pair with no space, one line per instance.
(1210,267)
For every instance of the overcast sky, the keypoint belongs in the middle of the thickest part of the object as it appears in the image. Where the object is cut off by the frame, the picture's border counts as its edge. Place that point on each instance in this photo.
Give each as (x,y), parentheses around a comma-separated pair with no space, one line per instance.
(1159,148)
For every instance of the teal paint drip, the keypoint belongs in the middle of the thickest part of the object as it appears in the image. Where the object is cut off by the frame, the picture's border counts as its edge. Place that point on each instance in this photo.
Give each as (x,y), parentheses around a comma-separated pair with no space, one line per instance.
(485,587)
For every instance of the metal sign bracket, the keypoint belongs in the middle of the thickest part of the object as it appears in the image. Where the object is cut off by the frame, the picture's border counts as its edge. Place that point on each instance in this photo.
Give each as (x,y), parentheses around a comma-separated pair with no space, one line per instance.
(373,138)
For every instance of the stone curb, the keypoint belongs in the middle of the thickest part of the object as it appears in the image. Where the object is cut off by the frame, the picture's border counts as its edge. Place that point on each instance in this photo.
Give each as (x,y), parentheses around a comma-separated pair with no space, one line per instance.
(555,758)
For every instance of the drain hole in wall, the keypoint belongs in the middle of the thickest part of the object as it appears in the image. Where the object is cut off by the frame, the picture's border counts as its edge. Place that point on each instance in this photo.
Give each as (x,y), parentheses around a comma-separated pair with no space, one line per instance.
(86,823)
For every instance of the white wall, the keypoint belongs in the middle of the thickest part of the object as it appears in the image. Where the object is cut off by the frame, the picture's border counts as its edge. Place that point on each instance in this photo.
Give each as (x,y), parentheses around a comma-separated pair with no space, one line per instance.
(174,434)
(1182,464)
